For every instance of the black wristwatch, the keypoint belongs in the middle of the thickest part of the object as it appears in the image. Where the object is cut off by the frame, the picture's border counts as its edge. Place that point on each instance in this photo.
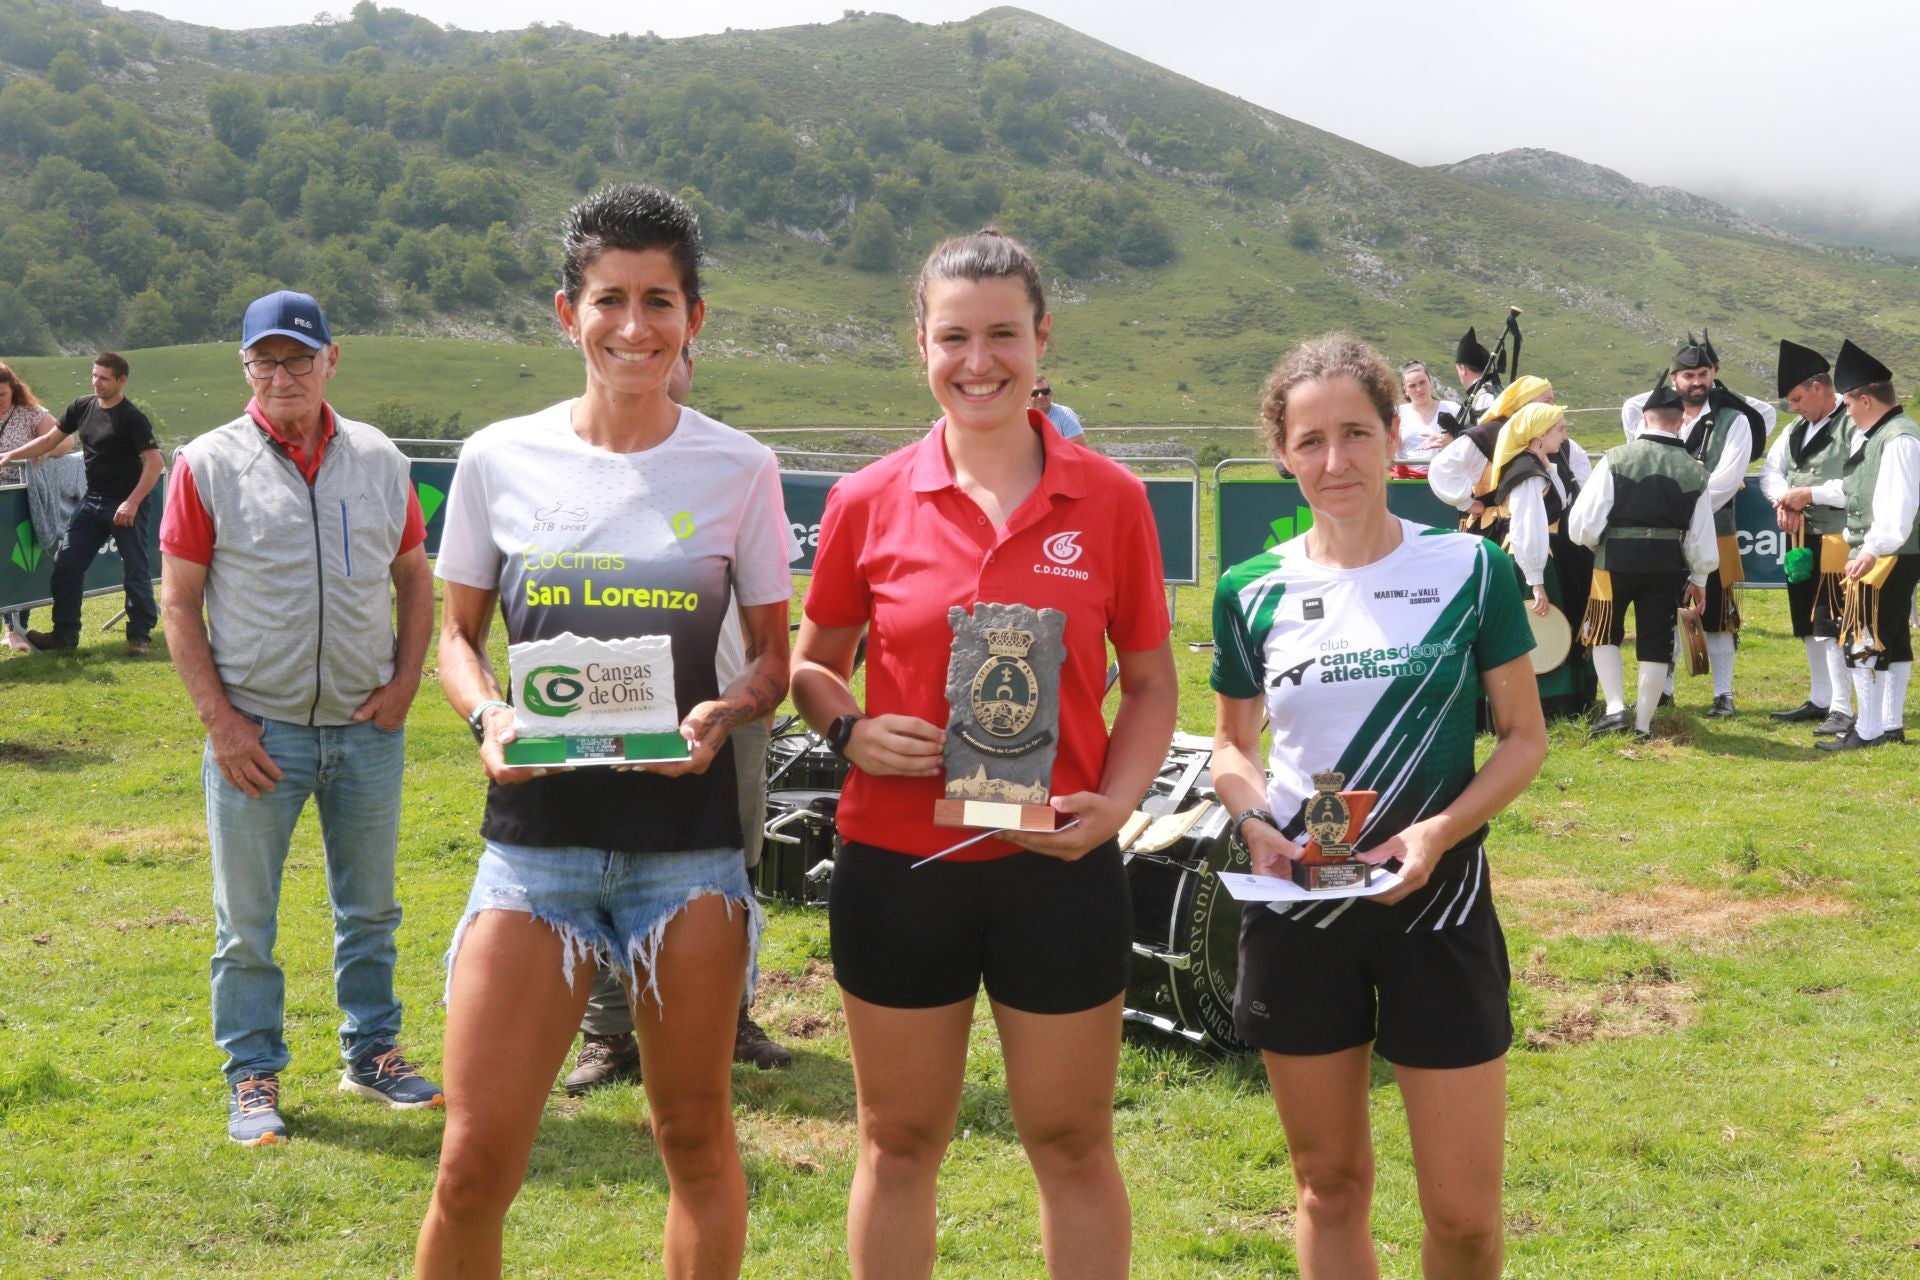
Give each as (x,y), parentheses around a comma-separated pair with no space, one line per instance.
(840,732)
(1250,814)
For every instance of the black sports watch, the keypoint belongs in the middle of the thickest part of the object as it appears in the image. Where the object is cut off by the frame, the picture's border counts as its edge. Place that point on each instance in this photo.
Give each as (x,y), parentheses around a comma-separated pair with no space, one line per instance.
(1249,815)
(840,732)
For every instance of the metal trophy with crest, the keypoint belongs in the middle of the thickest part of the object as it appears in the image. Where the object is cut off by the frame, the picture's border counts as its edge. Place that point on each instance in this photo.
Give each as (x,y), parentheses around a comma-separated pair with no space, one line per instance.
(1003,726)
(1334,818)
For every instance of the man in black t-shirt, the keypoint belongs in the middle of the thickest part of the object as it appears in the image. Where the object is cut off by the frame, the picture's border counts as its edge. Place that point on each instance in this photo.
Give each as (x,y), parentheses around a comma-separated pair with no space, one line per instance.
(123,464)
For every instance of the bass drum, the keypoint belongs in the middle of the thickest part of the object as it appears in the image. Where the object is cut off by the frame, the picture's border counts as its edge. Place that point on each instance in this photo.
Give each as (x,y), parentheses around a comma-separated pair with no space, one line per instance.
(1186,937)
(796,860)
(800,761)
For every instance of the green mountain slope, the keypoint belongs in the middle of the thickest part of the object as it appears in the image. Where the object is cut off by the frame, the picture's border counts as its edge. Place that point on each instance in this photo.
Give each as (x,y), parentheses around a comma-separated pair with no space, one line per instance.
(157,175)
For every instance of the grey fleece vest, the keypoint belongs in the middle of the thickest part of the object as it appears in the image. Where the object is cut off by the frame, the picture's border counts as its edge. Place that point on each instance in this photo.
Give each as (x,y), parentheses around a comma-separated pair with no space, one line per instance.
(299,602)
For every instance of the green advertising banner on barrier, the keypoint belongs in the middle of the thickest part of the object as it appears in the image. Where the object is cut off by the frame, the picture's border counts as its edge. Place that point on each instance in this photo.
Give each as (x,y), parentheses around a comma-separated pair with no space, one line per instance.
(432,481)
(26,567)
(1174,499)
(1253,515)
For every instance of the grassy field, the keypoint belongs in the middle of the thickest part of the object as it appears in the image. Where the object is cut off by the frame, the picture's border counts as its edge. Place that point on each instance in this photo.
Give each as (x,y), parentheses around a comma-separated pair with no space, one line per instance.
(1713,937)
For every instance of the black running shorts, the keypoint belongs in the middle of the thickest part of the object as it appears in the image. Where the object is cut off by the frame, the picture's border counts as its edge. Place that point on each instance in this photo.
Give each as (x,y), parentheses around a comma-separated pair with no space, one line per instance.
(1429,998)
(1045,935)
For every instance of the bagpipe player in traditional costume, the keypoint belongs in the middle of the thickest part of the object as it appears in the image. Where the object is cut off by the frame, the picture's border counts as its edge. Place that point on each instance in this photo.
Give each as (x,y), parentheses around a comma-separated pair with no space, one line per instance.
(1725,434)
(1802,479)
(1529,492)
(1881,480)
(1481,375)
(1647,516)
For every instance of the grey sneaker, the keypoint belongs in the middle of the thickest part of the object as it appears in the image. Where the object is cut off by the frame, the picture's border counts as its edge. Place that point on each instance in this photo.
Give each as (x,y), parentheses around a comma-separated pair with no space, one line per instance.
(253,1111)
(752,1044)
(388,1077)
(603,1060)
(1835,725)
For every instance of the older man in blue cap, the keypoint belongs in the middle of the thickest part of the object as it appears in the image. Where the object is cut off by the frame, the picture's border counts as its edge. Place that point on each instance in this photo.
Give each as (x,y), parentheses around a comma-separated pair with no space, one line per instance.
(291,543)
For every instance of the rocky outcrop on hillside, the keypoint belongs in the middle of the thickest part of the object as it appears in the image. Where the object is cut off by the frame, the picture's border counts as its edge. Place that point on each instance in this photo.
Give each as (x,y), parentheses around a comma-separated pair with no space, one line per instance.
(1533,170)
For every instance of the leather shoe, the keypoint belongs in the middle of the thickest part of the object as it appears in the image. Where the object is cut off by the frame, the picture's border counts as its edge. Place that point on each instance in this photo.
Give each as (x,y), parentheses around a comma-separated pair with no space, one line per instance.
(1836,723)
(1894,735)
(603,1060)
(1666,700)
(1722,708)
(1613,722)
(1849,741)
(1804,712)
(47,642)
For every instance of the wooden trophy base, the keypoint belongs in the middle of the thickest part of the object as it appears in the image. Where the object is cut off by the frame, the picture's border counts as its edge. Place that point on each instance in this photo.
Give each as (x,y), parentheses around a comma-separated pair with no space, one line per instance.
(1344,873)
(993,815)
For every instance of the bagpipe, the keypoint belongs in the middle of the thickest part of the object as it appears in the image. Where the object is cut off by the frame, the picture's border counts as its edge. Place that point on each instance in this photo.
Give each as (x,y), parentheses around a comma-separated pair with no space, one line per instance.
(1496,370)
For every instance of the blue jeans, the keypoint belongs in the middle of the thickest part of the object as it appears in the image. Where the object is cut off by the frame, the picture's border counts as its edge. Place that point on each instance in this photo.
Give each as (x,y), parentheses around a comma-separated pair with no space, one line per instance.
(91,528)
(353,773)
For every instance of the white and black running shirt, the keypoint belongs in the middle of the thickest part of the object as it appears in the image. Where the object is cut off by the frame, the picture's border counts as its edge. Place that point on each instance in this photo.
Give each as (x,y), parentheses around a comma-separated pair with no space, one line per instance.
(1374,673)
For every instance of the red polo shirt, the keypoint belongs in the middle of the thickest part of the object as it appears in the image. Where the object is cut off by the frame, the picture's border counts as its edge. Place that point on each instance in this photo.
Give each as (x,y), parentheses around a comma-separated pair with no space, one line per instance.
(900,543)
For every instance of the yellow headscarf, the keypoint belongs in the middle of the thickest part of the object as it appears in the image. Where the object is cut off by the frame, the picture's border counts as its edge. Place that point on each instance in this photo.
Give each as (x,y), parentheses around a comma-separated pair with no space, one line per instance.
(1521,430)
(1524,388)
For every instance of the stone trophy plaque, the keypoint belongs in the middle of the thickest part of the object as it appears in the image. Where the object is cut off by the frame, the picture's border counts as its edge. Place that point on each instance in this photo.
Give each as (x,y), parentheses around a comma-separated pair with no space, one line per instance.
(590,702)
(1003,688)
(1334,819)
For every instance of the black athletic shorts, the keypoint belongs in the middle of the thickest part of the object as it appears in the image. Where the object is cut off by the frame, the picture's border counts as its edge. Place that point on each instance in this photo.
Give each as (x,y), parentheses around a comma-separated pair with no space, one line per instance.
(1046,935)
(1434,998)
(1655,599)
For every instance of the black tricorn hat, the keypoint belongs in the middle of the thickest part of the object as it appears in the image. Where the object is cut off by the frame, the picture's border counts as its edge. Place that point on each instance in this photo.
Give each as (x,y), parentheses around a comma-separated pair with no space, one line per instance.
(1797,364)
(1694,354)
(1854,369)
(1665,395)
(1470,353)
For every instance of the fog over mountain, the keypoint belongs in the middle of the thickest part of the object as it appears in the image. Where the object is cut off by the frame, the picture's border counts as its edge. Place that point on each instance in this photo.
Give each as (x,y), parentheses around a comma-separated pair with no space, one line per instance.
(1737,98)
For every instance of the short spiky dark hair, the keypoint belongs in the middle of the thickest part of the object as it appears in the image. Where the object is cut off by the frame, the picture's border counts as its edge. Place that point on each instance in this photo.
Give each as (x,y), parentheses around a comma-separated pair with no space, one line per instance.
(628,215)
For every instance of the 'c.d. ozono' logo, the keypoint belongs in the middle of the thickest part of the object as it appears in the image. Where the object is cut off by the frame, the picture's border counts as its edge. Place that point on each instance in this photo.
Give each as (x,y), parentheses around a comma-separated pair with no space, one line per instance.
(1062,549)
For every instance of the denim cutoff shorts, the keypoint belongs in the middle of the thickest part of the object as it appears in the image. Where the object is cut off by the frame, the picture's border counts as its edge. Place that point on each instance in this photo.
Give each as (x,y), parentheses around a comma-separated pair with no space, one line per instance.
(611,905)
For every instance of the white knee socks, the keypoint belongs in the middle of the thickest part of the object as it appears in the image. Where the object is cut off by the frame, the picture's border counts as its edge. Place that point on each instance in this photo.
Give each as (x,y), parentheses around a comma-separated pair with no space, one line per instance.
(1720,661)
(1652,676)
(1866,702)
(1837,678)
(1893,697)
(1613,676)
(1819,690)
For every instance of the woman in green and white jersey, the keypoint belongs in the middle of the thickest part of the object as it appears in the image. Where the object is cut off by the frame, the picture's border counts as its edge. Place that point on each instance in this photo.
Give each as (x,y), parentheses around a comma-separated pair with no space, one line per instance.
(1365,643)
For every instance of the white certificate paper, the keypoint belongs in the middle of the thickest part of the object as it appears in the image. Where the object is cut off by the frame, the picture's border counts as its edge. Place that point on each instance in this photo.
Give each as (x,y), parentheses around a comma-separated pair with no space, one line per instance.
(1243,887)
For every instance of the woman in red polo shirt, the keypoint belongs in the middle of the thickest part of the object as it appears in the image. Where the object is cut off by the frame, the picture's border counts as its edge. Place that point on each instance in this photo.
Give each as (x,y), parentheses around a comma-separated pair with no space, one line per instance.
(990,506)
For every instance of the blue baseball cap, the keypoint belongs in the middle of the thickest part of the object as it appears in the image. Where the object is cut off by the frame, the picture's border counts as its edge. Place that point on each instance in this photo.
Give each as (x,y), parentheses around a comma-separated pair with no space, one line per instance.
(285,314)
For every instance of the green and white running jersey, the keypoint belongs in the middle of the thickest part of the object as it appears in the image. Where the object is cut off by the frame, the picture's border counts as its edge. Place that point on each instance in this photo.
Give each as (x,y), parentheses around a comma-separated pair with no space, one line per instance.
(1374,673)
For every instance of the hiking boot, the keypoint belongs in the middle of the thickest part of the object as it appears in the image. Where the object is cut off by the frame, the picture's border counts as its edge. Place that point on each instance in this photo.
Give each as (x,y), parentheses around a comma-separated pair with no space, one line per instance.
(603,1060)
(1836,723)
(139,648)
(388,1077)
(1804,712)
(253,1111)
(1722,708)
(752,1044)
(47,642)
